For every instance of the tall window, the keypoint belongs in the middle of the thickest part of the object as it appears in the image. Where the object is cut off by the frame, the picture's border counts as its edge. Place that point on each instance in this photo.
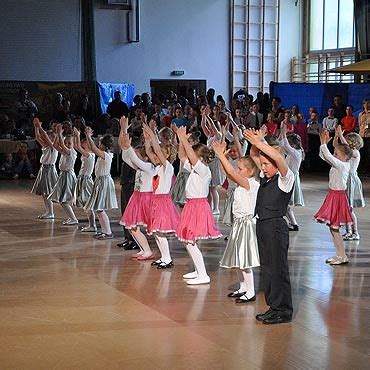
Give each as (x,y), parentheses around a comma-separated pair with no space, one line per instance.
(331,25)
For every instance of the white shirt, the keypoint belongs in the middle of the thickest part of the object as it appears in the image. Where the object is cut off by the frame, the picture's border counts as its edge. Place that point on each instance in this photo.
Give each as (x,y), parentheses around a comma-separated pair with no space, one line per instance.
(165,175)
(354,162)
(339,171)
(293,156)
(330,123)
(87,165)
(285,183)
(144,170)
(245,200)
(67,162)
(102,166)
(313,128)
(49,155)
(199,179)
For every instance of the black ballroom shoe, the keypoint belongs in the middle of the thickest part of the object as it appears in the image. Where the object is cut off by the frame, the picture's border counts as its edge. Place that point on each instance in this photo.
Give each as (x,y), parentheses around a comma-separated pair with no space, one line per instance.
(164,265)
(123,244)
(293,228)
(235,294)
(245,300)
(277,318)
(131,245)
(263,316)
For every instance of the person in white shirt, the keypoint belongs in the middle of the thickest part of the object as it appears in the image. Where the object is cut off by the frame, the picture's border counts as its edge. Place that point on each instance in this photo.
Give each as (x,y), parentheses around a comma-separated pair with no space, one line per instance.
(137,211)
(164,216)
(47,175)
(330,123)
(335,210)
(196,220)
(103,196)
(85,182)
(65,187)
(241,251)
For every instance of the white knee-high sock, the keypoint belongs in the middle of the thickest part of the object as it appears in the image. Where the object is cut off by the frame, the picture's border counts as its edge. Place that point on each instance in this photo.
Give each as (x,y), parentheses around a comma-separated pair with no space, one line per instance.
(69,210)
(164,248)
(104,222)
(49,207)
(291,216)
(338,243)
(354,226)
(197,257)
(91,218)
(248,282)
(142,241)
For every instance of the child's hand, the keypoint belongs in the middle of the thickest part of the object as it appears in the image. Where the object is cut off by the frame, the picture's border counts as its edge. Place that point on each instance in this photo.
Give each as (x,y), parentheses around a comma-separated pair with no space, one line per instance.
(153,124)
(37,123)
(143,118)
(206,111)
(219,148)
(253,136)
(174,128)
(283,130)
(123,122)
(263,131)
(125,141)
(181,131)
(324,136)
(338,131)
(76,132)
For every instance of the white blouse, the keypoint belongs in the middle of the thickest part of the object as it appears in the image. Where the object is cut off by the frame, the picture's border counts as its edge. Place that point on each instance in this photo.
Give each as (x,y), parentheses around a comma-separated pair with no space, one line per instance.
(67,162)
(199,180)
(293,156)
(49,155)
(102,166)
(144,170)
(354,162)
(339,171)
(245,200)
(87,165)
(165,175)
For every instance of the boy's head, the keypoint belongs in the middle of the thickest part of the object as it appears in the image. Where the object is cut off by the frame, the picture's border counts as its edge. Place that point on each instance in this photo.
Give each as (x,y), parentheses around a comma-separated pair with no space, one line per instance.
(268,165)
(233,151)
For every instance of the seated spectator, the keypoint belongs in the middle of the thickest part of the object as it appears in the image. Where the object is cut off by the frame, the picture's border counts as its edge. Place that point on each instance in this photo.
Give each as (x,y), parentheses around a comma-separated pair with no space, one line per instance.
(27,110)
(300,128)
(217,116)
(79,123)
(7,166)
(272,126)
(137,123)
(24,162)
(179,119)
(339,107)
(221,103)
(117,108)
(84,108)
(276,109)
(58,110)
(330,123)
(238,119)
(254,119)
(348,122)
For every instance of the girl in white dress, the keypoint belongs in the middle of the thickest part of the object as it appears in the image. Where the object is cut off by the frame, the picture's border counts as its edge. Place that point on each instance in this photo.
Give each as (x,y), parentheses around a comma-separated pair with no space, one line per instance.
(241,251)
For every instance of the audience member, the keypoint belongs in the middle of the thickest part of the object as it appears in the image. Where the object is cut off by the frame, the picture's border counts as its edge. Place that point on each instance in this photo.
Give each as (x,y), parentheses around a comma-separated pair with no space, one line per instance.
(117,108)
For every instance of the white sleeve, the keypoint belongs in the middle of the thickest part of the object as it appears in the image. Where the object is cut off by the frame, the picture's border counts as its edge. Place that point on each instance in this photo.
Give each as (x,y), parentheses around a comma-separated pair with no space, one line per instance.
(136,161)
(201,169)
(286,183)
(126,158)
(187,165)
(329,158)
(289,150)
(244,146)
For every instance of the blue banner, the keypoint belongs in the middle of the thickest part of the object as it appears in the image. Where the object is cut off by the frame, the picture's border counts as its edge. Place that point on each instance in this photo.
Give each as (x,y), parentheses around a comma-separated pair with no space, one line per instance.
(106,93)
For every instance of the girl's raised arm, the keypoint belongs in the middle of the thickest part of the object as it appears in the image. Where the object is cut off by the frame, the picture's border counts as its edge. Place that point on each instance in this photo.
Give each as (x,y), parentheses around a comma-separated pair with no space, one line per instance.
(100,153)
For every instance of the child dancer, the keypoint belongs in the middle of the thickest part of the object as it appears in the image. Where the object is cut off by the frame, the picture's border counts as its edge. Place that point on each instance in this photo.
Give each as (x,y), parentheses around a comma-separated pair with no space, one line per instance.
(335,210)
(47,175)
(164,216)
(196,220)
(273,197)
(241,250)
(354,185)
(137,211)
(65,187)
(103,196)
(85,182)
(294,156)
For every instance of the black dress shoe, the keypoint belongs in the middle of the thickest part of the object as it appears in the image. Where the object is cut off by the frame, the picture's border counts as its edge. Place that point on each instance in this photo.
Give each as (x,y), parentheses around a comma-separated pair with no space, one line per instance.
(156,263)
(277,318)
(236,294)
(123,244)
(263,316)
(245,300)
(131,245)
(293,228)
(164,265)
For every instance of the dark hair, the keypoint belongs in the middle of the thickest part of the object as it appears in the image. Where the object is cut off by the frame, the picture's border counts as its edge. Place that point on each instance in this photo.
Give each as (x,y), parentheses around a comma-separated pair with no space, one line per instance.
(295,141)
(107,141)
(204,152)
(277,98)
(351,106)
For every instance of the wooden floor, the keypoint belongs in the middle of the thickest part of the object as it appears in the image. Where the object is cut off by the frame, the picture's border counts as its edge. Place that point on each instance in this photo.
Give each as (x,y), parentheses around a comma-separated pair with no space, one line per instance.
(68,301)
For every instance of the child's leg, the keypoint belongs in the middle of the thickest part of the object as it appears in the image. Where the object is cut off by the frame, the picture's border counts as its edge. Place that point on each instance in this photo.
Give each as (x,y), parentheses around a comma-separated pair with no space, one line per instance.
(215,199)
(69,211)
(248,283)
(338,243)
(142,242)
(197,257)
(104,222)
(28,166)
(354,226)
(91,218)
(19,168)
(290,215)
(162,243)
(49,207)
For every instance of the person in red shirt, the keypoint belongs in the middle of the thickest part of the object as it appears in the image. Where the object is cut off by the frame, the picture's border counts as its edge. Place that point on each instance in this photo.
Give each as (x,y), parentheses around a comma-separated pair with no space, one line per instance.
(348,122)
(271,125)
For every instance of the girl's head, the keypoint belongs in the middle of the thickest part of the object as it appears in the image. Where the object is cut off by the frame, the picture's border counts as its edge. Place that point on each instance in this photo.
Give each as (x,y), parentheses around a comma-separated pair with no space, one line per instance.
(295,141)
(141,153)
(51,134)
(295,109)
(169,152)
(354,140)
(85,145)
(233,151)
(165,135)
(238,112)
(287,114)
(194,138)
(349,110)
(216,110)
(270,117)
(68,141)
(106,143)
(203,153)
(246,167)
(343,152)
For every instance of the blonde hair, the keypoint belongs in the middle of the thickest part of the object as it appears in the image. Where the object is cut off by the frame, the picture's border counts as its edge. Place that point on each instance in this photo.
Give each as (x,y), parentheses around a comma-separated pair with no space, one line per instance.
(169,151)
(202,151)
(248,163)
(354,140)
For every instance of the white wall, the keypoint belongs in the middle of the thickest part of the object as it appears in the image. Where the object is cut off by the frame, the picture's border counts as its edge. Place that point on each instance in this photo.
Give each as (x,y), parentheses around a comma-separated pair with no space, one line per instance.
(189,35)
(290,36)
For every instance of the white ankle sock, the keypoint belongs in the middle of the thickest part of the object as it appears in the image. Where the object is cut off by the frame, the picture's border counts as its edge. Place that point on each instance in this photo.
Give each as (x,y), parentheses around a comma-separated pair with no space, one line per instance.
(69,210)
(104,222)
(162,243)
(197,257)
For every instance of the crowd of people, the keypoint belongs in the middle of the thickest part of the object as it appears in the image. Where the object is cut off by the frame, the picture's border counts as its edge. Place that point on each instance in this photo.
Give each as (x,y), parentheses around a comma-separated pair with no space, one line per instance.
(174,163)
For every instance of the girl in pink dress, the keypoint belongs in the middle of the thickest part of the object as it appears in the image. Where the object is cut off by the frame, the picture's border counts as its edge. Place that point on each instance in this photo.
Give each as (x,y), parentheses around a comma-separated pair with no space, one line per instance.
(196,221)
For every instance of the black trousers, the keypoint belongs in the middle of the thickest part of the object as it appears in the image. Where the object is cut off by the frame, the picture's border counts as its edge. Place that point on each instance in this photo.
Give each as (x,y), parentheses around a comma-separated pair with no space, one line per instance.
(273,244)
(126,192)
(365,155)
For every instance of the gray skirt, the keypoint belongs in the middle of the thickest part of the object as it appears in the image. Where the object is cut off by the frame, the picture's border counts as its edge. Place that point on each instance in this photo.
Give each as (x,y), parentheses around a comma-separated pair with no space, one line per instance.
(354,191)
(103,195)
(218,177)
(178,191)
(83,190)
(241,249)
(45,180)
(228,217)
(65,188)
(297,194)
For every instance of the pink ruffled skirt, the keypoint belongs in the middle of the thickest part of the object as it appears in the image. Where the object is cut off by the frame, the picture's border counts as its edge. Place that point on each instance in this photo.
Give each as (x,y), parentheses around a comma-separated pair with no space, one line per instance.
(197,222)
(137,212)
(335,211)
(164,216)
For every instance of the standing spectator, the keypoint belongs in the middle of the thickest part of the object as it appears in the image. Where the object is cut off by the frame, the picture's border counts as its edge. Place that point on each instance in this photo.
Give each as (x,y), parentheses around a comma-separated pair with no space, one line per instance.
(364,125)
(211,97)
(339,107)
(58,112)
(300,128)
(179,120)
(84,108)
(23,161)
(348,122)
(27,110)
(294,113)
(146,104)
(137,102)
(313,133)
(254,119)
(276,109)
(7,166)
(167,119)
(117,108)
(330,122)
(271,125)
(287,122)
(137,123)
